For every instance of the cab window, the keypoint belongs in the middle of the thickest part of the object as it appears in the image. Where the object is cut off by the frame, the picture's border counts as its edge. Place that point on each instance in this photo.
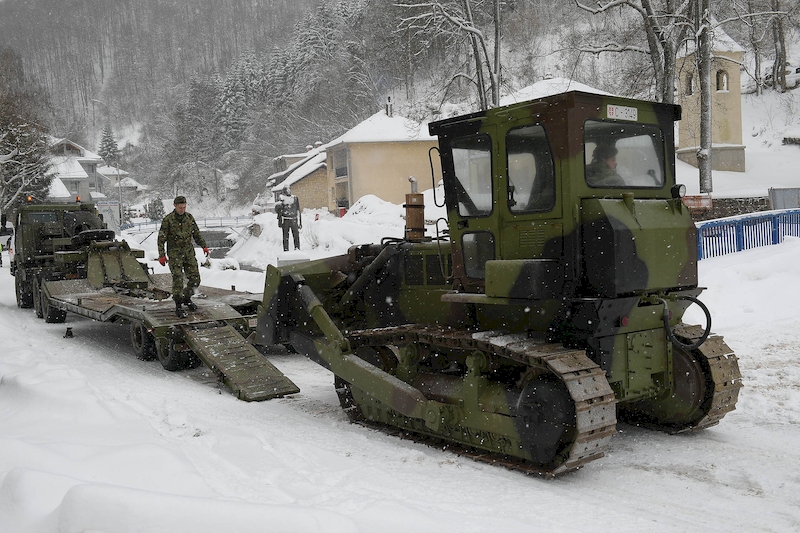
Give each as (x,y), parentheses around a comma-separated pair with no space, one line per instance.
(623,155)
(531,179)
(472,163)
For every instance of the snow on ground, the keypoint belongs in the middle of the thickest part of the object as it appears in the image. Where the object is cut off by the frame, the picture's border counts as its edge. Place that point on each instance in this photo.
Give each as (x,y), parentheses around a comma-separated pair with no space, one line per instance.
(94,439)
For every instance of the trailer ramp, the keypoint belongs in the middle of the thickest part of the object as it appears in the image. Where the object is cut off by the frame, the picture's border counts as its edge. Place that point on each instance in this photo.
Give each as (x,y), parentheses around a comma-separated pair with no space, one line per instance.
(243,369)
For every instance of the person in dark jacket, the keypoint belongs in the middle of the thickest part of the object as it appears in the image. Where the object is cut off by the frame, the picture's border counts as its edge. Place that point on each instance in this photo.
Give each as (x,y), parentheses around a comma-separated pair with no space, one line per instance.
(288,209)
(177,231)
(602,171)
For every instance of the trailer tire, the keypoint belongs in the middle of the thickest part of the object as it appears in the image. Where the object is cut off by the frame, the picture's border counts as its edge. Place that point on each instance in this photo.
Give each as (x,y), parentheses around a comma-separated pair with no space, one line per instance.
(143,342)
(190,360)
(24,291)
(52,315)
(169,358)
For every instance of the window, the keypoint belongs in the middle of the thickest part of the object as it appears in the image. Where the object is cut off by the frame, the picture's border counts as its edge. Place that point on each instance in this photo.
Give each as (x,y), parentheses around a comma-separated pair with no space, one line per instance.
(340,163)
(472,164)
(623,155)
(722,80)
(531,179)
(478,248)
(689,89)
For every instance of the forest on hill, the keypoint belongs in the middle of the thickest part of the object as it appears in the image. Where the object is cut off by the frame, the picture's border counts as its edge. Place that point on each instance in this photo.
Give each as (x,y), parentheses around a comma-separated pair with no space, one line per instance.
(193,85)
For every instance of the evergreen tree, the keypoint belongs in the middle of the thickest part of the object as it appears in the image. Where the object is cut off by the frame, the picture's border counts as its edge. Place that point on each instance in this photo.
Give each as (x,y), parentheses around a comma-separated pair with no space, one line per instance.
(154,209)
(108,146)
(24,156)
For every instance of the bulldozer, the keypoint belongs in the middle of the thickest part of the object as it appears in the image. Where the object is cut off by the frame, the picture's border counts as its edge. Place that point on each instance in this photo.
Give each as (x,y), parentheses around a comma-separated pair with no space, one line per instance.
(548,309)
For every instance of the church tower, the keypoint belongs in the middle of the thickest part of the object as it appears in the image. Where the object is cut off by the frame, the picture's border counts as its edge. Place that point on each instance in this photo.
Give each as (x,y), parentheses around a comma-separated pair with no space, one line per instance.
(727,152)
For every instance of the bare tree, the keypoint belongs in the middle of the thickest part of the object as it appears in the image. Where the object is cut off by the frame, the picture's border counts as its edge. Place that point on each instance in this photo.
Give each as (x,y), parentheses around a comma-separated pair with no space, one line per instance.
(703,33)
(458,19)
(665,23)
(779,41)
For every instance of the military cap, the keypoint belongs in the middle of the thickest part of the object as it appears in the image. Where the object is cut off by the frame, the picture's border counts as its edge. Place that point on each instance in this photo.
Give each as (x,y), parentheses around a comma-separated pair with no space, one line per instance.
(179,200)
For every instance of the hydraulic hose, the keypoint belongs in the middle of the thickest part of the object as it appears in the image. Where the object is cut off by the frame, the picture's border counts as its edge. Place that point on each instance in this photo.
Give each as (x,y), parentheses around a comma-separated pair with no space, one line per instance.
(671,335)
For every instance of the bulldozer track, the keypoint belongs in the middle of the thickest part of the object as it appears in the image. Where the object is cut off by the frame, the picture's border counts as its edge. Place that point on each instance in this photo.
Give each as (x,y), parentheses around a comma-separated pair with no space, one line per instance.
(723,366)
(592,397)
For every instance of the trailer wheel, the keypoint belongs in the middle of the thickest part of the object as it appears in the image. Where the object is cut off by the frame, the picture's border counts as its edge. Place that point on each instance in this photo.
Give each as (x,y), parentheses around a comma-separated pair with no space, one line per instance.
(190,360)
(24,292)
(169,358)
(52,315)
(143,342)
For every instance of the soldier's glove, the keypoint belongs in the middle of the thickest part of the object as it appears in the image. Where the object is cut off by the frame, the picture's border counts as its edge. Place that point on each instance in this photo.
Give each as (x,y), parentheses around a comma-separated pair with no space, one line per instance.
(205,251)
(162,260)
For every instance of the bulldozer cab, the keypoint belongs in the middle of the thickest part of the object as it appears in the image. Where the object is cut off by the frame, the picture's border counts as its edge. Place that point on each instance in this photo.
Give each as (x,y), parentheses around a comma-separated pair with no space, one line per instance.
(517,178)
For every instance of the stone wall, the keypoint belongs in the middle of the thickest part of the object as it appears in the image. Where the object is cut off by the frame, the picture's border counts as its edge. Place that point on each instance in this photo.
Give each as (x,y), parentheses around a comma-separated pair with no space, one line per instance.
(727,207)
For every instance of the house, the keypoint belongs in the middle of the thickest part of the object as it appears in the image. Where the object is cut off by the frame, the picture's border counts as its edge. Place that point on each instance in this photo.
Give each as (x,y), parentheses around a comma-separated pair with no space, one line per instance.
(74,172)
(111,176)
(727,150)
(308,179)
(377,157)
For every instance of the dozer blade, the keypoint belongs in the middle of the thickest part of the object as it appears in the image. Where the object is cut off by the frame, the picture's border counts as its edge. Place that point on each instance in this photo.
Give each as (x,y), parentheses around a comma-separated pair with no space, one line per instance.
(244,370)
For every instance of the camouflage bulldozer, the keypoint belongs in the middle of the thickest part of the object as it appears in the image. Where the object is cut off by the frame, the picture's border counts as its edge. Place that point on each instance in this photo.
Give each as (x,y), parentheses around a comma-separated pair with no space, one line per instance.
(552,307)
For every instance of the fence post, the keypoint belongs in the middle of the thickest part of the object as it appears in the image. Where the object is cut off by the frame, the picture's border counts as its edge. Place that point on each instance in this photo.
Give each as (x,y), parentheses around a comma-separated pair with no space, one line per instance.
(776,230)
(700,254)
(739,229)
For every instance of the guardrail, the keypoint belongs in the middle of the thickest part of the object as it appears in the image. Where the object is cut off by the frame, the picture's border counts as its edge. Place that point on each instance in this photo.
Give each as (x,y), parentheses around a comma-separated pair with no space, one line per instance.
(734,234)
(202,223)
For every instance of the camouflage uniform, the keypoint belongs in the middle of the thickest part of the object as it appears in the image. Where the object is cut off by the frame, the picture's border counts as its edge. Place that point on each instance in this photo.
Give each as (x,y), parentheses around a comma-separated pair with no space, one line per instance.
(177,232)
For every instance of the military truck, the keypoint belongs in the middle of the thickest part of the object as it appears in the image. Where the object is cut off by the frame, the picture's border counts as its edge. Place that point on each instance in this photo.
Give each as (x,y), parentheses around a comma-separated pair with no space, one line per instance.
(66,260)
(552,307)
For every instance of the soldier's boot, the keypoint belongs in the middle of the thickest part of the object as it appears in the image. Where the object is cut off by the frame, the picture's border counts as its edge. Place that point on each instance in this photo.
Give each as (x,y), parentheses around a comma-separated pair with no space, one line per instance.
(187,299)
(180,311)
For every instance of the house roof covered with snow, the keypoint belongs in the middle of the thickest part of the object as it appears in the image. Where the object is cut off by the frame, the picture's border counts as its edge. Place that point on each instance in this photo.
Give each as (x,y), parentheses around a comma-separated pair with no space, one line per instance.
(383,128)
(68,168)
(83,154)
(301,169)
(110,172)
(721,42)
(58,189)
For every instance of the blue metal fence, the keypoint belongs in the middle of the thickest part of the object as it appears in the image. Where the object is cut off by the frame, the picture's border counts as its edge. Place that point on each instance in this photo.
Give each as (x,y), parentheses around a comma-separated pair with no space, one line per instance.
(734,234)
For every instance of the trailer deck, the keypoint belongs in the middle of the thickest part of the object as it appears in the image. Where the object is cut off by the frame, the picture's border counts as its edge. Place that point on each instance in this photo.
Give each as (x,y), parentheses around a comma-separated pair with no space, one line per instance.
(214,333)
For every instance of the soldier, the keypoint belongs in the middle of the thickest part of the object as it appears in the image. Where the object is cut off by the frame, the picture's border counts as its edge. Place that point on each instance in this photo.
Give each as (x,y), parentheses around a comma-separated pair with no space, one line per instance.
(288,209)
(177,231)
(602,171)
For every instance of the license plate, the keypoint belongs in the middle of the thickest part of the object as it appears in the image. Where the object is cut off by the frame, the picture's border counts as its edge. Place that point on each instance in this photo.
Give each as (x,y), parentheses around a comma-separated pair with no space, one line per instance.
(620,112)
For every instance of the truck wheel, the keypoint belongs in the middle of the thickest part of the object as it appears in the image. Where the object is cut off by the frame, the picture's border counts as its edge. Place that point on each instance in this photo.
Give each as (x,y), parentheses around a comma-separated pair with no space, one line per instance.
(169,358)
(24,292)
(52,315)
(143,342)
(37,303)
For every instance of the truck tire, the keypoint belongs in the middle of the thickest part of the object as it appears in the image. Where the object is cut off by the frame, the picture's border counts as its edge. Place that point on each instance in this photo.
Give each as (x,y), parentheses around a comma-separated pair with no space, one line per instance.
(143,342)
(169,358)
(24,292)
(37,303)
